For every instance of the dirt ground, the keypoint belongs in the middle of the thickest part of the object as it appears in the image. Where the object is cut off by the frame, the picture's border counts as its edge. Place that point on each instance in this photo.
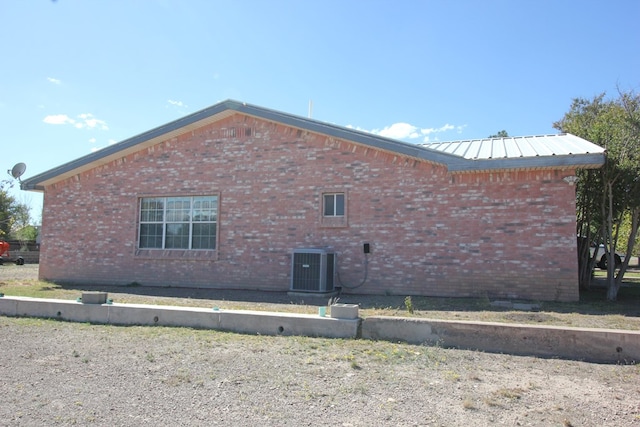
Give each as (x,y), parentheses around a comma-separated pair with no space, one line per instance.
(59,373)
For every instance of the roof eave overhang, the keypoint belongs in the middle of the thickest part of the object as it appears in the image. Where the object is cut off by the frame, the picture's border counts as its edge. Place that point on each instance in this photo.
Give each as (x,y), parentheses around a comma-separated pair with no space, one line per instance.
(219,112)
(576,161)
(128,146)
(454,163)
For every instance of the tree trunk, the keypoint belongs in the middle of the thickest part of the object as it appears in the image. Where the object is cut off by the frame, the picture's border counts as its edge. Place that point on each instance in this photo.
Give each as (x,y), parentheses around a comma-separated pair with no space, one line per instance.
(635,223)
(609,248)
(612,290)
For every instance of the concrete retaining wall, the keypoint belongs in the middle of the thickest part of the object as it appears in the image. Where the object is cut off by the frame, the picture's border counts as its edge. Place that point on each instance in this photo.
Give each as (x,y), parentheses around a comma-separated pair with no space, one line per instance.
(251,322)
(593,345)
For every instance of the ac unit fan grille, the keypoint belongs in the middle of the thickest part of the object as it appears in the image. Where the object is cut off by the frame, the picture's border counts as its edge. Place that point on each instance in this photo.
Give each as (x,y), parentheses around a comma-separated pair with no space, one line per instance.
(312,270)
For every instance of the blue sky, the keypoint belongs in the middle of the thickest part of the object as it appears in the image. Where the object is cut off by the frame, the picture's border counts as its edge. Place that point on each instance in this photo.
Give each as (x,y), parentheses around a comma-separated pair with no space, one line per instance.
(79,75)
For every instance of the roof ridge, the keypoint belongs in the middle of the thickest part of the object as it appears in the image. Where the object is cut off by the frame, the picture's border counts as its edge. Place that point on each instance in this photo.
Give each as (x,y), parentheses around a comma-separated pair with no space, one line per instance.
(502,138)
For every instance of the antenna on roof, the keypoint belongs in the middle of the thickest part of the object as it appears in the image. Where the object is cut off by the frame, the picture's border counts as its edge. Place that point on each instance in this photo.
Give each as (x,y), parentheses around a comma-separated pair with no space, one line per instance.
(310,108)
(17,171)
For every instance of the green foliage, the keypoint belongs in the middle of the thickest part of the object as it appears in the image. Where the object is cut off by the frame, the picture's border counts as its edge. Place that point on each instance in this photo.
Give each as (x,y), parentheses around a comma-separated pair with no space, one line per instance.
(13,215)
(625,229)
(26,234)
(7,211)
(502,134)
(408,303)
(610,195)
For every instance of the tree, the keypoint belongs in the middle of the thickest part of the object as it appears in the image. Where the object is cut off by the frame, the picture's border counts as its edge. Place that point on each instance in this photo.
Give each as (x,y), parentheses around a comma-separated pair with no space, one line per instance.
(502,134)
(606,195)
(13,215)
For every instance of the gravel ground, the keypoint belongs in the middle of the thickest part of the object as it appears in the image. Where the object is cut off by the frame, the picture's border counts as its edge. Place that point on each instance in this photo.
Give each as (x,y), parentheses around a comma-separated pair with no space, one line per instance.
(58,373)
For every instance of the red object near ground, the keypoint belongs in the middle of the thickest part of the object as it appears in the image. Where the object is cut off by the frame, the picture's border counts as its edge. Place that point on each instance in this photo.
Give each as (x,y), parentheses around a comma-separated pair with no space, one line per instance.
(4,254)
(4,248)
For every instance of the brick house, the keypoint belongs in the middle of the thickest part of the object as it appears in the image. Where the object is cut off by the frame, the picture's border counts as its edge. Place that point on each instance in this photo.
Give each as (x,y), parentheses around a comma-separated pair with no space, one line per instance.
(222,198)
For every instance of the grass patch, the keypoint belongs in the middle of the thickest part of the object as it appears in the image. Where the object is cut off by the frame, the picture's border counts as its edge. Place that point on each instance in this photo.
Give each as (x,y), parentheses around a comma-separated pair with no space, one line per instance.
(37,289)
(469,404)
(510,393)
(180,377)
(451,376)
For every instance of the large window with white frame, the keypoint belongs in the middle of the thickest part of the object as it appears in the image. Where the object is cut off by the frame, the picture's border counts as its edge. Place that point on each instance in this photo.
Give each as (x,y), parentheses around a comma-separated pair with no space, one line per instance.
(178,222)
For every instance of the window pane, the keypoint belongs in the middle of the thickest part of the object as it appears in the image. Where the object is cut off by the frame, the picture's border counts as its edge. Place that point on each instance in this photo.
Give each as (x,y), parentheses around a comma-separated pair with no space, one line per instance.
(151,210)
(151,236)
(204,236)
(339,204)
(205,208)
(178,209)
(329,205)
(177,236)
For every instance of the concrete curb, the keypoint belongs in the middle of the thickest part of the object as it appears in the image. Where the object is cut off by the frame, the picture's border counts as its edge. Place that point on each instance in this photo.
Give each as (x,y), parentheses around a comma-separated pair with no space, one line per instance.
(592,345)
(250,322)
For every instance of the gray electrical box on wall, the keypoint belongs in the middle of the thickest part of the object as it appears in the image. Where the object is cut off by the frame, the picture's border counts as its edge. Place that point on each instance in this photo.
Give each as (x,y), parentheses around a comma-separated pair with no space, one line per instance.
(313,270)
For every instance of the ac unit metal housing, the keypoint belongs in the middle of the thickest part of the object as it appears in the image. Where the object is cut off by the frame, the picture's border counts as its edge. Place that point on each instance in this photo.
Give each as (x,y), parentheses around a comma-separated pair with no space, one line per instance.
(313,270)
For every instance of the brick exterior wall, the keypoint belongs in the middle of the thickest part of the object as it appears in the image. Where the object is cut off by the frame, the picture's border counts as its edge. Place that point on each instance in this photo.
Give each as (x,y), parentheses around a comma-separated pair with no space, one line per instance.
(504,234)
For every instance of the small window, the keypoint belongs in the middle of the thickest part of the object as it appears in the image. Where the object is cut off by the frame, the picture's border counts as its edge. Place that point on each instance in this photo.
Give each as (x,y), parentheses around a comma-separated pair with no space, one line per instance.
(334,204)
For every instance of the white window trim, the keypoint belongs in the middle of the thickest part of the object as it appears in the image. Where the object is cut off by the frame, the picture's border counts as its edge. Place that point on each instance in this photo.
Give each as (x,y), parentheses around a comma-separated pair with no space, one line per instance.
(335,204)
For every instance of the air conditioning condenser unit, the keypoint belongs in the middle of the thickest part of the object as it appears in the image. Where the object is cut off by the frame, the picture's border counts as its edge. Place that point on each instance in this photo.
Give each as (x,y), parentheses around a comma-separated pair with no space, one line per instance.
(313,270)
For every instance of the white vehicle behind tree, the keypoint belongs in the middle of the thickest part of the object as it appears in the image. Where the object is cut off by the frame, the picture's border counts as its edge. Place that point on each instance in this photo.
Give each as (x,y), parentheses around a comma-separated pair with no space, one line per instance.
(601,257)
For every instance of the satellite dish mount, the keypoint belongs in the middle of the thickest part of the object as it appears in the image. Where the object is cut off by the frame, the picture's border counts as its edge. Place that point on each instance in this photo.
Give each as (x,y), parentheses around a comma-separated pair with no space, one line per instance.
(17,171)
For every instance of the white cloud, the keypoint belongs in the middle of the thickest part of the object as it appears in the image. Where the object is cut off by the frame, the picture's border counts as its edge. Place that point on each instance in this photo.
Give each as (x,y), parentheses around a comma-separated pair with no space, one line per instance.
(85,120)
(398,131)
(92,140)
(54,81)
(109,142)
(176,103)
(444,128)
(59,119)
(92,123)
(406,131)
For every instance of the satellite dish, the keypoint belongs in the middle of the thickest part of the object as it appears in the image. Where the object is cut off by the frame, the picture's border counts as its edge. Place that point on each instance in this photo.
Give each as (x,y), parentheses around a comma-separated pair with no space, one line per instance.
(18,170)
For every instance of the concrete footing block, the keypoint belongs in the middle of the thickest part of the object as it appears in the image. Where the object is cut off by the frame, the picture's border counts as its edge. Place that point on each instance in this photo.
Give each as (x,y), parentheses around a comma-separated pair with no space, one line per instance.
(94,297)
(344,311)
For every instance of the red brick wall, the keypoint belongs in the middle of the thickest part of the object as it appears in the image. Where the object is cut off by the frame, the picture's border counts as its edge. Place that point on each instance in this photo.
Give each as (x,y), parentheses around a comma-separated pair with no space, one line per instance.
(507,234)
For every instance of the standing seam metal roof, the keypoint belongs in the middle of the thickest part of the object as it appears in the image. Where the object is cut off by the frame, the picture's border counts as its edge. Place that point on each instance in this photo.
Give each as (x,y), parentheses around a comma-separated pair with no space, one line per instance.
(517,147)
